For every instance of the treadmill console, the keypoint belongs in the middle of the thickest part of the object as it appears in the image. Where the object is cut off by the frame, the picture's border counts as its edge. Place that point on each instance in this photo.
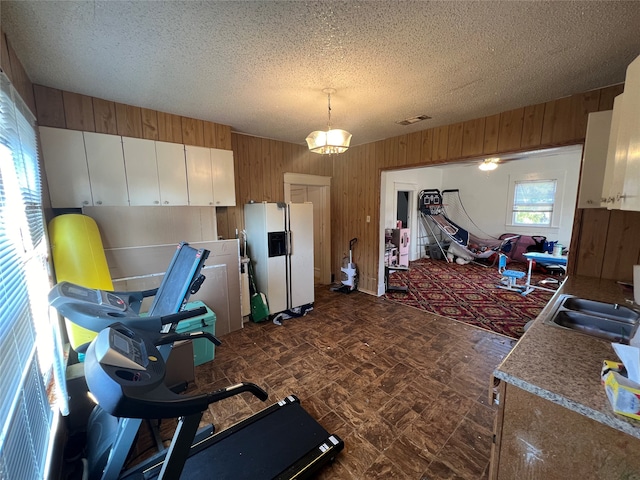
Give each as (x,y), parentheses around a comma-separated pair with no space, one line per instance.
(76,293)
(117,349)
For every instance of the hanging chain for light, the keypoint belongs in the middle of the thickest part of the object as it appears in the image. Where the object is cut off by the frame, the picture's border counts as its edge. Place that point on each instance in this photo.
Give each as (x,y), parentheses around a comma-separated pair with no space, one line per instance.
(329,105)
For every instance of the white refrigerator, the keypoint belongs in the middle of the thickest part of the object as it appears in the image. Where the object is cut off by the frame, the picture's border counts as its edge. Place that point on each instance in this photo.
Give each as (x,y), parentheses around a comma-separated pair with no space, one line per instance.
(280,244)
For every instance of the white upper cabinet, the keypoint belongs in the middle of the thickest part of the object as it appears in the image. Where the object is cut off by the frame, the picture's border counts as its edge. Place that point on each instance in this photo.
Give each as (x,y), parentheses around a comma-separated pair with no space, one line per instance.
(607,198)
(142,171)
(594,159)
(210,175)
(619,151)
(106,169)
(631,181)
(224,186)
(622,176)
(199,175)
(65,164)
(172,173)
(86,168)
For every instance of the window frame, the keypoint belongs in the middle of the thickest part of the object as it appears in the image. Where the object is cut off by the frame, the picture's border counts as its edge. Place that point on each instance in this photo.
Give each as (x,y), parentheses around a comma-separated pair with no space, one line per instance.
(559,176)
(533,207)
(29,421)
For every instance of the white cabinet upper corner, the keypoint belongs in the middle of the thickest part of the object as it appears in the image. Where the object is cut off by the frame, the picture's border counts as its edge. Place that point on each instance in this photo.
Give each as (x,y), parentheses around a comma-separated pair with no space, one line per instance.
(210,175)
(65,164)
(621,189)
(594,159)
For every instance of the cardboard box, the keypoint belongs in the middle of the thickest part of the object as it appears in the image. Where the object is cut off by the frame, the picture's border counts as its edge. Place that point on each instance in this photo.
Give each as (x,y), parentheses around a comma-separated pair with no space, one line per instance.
(623,394)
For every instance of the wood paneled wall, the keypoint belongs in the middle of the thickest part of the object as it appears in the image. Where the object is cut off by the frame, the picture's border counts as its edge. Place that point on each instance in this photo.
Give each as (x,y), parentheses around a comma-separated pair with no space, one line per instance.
(606,242)
(61,109)
(260,167)
(356,174)
(10,64)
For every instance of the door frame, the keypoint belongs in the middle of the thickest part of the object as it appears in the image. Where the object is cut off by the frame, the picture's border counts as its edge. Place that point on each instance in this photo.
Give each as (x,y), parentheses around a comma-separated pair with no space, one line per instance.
(325,184)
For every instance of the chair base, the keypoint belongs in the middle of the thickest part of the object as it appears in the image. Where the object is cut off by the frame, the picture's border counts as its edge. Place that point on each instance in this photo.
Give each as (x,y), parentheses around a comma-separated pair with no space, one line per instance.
(509,284)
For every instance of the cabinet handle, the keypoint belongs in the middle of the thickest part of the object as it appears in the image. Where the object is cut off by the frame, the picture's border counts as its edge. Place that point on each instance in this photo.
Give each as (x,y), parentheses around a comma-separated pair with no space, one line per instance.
(156,202)
(166,202)
(210,203)
(85,202)
(99,202)
(620,196)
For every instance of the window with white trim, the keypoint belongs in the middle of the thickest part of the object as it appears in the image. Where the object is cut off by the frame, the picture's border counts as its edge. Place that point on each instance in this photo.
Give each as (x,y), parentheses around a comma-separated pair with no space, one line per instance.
(533,202)
(27,338)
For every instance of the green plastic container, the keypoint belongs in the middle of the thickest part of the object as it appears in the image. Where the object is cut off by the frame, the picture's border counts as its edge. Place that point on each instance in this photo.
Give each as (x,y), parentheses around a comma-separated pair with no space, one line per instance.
(203,349)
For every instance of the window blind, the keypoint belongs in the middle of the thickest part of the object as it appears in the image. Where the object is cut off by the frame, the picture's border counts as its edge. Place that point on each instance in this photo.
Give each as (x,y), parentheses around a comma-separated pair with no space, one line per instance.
(25,414)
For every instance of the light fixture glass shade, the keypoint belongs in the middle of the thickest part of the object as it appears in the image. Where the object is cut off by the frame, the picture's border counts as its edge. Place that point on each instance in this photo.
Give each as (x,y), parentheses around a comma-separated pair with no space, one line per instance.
(489,164)
(331,141)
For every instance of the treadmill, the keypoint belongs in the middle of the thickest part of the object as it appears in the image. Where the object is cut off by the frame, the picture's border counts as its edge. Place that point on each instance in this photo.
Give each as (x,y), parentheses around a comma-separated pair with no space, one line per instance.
(125,374)
(110,439)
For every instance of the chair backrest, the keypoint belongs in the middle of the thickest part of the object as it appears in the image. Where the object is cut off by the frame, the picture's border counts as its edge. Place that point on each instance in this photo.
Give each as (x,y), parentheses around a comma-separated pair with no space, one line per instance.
(502,262)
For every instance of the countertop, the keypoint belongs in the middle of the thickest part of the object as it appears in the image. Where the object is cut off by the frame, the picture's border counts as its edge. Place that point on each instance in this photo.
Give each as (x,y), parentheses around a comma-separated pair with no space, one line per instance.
(563,366)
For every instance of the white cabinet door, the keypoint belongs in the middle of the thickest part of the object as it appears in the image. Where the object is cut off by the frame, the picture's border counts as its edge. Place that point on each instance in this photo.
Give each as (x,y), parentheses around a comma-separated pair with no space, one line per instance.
(141,170)
(172,173)
(594,159)
(224,186)
(65,164)
(630,199)
(106,169)
(607,184)
(199,175)
(620,157)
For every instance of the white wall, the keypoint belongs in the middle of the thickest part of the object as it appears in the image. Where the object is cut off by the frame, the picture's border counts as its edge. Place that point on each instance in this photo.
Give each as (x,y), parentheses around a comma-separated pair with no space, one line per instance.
(485,195)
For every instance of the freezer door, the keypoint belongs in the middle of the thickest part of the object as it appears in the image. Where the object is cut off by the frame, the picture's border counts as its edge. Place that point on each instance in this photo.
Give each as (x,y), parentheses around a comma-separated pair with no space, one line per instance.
(300,271)
(270,271)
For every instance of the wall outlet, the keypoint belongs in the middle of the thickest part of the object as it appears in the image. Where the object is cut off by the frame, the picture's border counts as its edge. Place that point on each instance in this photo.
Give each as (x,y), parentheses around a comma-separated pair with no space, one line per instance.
(368,218)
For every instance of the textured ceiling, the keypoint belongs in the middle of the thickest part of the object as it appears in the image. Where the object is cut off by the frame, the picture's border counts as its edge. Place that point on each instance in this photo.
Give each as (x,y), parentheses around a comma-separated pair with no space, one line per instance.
(261,66)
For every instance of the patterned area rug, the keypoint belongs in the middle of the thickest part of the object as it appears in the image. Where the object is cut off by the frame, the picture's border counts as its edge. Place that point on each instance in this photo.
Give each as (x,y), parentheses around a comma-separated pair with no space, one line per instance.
(468,293)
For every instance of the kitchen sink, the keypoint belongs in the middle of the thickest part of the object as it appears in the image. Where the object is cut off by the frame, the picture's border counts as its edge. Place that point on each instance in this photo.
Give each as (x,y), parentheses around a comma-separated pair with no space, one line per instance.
(609,321)
(601,309)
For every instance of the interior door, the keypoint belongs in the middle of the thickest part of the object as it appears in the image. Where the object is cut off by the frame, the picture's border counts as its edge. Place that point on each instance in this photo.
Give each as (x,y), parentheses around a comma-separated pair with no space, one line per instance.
(301,258)
(313,194)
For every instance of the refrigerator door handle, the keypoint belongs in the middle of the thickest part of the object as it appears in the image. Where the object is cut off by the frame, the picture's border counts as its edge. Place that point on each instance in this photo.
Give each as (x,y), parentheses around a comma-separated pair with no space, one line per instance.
(289,243)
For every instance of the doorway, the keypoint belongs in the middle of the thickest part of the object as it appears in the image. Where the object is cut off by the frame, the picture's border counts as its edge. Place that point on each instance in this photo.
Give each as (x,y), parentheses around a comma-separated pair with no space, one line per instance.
(402,208)
(299,188)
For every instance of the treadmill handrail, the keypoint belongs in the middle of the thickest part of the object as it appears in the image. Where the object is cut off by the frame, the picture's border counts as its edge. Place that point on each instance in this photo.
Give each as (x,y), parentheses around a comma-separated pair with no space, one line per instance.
(172,337)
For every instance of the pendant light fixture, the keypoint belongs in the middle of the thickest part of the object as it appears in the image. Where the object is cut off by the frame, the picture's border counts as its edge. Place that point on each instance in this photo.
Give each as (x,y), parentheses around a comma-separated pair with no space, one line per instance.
(331,140)
(489,164)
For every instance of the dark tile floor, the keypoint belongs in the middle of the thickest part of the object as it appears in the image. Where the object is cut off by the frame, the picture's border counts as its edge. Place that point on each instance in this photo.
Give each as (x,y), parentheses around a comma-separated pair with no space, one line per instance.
(407,391)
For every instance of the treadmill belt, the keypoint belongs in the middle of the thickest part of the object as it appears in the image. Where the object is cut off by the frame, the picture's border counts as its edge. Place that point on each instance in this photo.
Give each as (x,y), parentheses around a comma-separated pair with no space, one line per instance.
(261,450)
